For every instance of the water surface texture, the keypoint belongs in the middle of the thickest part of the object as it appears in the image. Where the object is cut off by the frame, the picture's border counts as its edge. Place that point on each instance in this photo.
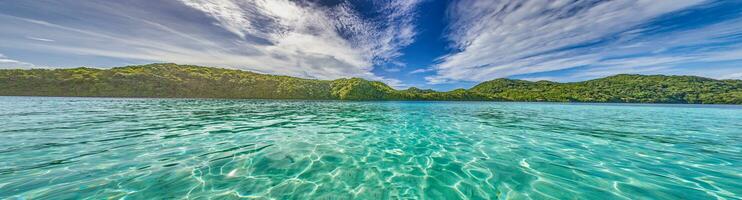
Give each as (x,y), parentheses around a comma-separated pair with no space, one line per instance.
(93,148)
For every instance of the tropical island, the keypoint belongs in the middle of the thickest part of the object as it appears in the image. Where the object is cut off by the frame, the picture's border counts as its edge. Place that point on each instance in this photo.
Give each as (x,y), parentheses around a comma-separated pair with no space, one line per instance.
(166,80)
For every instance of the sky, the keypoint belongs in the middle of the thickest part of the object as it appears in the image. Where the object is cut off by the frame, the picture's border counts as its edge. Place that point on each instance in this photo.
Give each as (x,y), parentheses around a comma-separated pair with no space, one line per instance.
(435,44)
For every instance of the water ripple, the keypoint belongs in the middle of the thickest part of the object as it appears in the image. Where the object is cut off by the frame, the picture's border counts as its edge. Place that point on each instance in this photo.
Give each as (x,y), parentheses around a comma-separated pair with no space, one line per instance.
(94,148)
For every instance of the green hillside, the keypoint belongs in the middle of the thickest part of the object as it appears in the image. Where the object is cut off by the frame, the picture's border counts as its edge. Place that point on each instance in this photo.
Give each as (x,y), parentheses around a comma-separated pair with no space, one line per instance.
(620,88)
(188,81)
(159,80)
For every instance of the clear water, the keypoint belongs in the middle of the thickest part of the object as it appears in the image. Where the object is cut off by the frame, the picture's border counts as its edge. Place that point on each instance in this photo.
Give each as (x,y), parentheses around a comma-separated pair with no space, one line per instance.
(75,148)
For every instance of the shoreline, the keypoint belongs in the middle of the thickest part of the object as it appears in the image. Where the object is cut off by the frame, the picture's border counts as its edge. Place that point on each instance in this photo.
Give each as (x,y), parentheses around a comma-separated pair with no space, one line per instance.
(391,101)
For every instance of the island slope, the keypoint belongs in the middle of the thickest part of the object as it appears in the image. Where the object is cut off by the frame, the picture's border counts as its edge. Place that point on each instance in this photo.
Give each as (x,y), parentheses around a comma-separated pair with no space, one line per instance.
(188,81)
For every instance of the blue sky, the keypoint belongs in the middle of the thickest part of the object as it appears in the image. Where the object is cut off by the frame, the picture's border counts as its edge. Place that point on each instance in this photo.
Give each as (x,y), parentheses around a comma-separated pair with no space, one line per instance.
(423,43)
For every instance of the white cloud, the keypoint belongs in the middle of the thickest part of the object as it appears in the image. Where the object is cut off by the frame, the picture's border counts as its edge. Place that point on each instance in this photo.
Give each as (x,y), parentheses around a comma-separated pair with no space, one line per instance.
(8,63)
(270,36)
(506,38)
(737,75)
(310,36)
(422,70)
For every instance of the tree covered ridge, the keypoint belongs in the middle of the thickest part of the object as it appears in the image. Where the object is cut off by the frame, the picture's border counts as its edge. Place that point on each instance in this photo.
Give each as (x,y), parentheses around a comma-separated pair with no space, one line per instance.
(620,88)
(189,81)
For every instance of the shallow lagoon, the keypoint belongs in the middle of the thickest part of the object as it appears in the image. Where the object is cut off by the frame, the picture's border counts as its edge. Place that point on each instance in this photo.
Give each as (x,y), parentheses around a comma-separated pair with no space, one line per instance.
(72,148)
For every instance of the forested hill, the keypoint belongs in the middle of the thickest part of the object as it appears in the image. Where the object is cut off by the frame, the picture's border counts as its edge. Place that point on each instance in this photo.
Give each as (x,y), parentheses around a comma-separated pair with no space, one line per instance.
(620,88)
(188,81)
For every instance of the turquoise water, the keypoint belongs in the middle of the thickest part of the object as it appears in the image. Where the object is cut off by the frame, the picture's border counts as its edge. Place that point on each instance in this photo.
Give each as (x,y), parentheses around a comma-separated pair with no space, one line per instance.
(75,148)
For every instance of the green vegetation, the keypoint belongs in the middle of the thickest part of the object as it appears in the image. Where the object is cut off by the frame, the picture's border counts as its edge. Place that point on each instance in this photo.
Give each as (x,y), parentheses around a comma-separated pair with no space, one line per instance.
(188,81)
(159,80)
(620,88)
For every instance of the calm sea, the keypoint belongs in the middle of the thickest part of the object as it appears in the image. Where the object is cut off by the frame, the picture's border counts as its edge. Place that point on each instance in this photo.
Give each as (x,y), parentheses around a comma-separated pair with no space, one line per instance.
(98,148)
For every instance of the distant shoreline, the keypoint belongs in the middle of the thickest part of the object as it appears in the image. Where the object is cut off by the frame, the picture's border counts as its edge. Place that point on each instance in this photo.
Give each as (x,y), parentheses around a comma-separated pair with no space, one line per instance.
(188,81)
(391,101)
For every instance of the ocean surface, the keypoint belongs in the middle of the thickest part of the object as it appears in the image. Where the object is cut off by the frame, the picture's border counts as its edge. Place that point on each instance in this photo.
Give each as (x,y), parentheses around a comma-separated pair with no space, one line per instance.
(100,148)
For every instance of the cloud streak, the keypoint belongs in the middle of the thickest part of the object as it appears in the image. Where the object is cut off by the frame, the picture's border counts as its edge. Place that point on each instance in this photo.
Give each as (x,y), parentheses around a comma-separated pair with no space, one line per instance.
(39,39)
(9,63)
(518,38)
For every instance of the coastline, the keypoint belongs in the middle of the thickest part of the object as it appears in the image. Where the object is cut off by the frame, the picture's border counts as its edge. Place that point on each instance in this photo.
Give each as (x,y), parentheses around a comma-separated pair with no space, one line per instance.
(386,101)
